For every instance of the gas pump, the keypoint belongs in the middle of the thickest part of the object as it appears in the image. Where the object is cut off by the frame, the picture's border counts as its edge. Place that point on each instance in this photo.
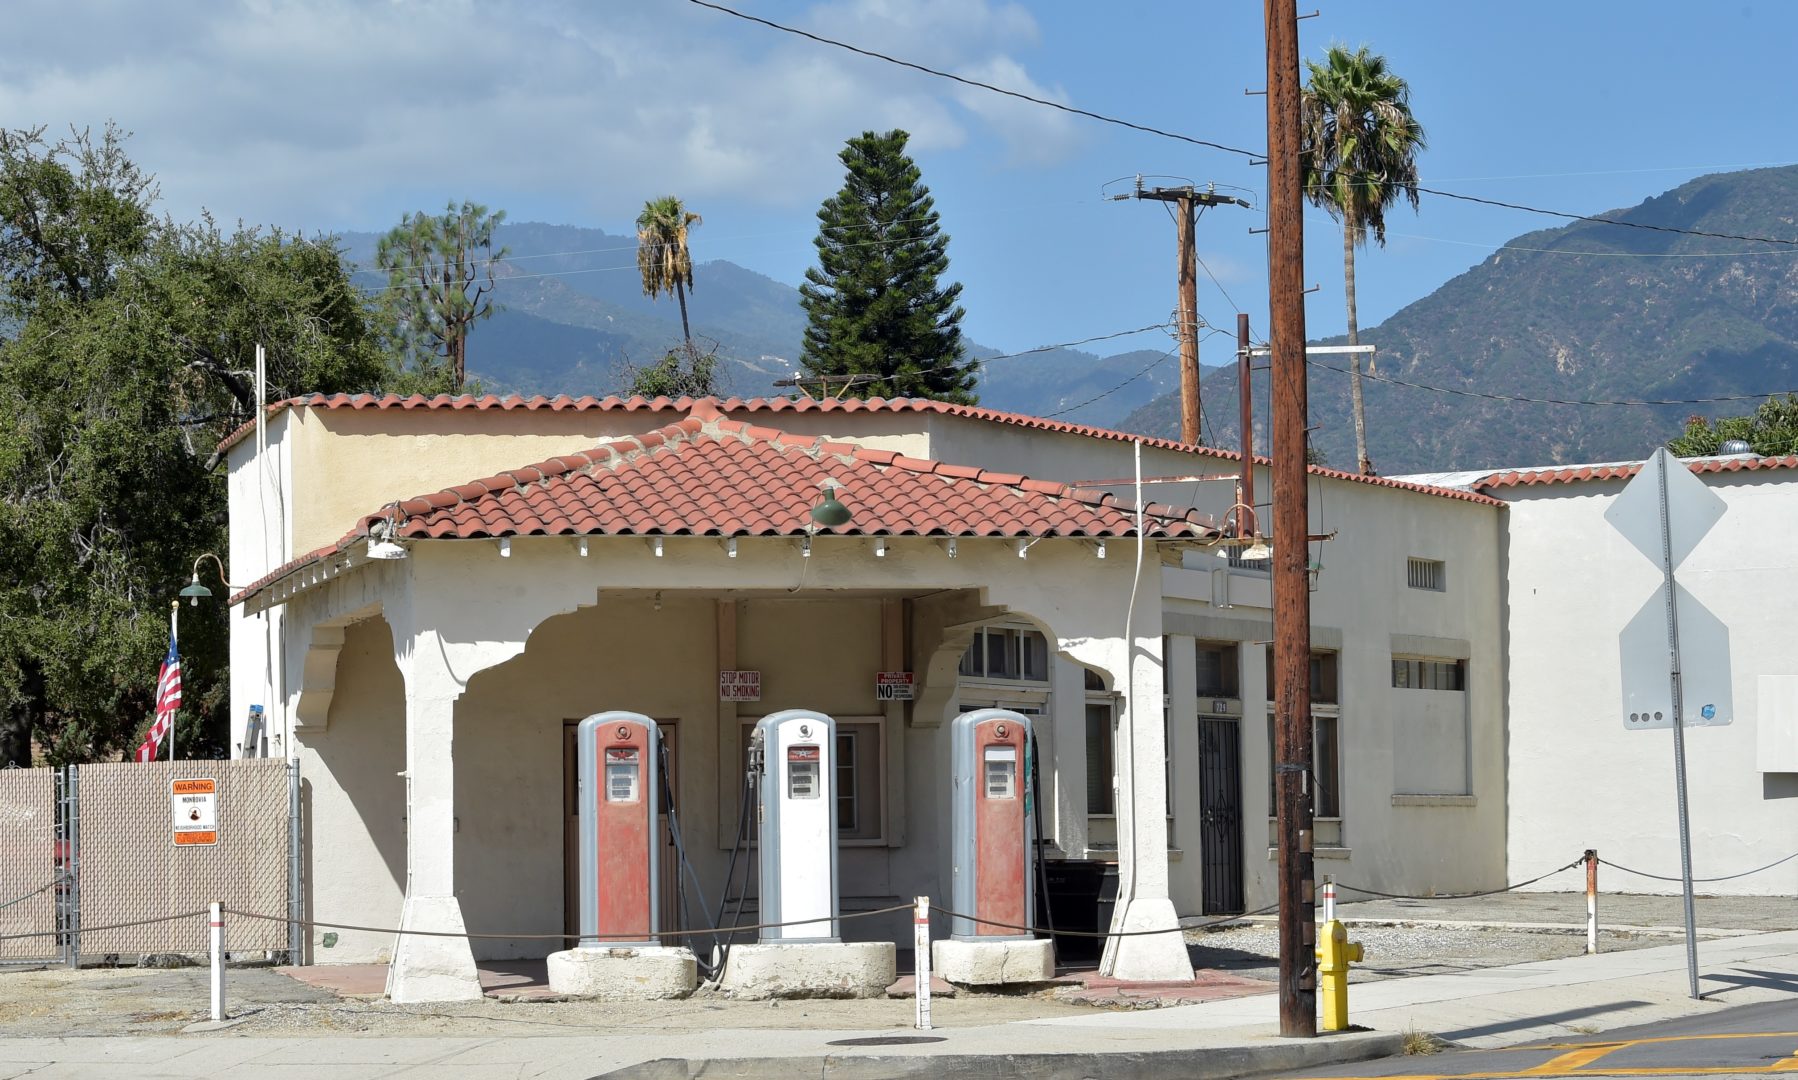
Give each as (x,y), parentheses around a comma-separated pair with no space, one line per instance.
(992,825)
(619,769)
(794,755)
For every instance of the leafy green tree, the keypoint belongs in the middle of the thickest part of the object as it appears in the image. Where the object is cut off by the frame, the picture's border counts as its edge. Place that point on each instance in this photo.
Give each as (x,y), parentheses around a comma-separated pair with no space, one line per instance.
(879,323)
(127,351)
(683,372)
(663,257)
(440,281)
(1771,430)
(1359,144)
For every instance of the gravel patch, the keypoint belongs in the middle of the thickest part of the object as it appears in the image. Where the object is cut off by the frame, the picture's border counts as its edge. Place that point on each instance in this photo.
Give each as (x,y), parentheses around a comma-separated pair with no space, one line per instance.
(1397,952)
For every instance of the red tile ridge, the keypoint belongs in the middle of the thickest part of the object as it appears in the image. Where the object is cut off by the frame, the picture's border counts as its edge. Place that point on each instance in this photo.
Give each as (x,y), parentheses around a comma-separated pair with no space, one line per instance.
(1623,470)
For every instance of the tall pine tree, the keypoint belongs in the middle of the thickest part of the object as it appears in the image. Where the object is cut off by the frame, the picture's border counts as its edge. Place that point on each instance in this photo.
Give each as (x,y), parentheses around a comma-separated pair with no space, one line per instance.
(873,301)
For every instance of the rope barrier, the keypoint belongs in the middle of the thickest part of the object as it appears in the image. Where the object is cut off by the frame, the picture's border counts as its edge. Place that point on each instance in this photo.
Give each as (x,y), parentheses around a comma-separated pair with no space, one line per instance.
(109,926)
(1724,877)
(45,887)
(1461,896)
(703,931)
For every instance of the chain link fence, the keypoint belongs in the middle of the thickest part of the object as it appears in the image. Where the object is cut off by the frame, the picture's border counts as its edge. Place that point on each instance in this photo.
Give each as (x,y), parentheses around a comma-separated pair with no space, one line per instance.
(92,857)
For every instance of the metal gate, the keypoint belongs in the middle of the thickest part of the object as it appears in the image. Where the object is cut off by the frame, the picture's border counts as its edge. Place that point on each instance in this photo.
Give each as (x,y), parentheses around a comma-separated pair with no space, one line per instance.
(1220,816)
(93,859)
(34,893)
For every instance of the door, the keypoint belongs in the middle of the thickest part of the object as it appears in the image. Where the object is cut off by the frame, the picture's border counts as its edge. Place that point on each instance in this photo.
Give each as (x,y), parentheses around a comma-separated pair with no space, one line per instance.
(1220,816)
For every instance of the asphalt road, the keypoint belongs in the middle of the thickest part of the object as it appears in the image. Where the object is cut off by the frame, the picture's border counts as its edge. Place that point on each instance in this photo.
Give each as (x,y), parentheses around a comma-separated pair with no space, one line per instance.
(1748,1041)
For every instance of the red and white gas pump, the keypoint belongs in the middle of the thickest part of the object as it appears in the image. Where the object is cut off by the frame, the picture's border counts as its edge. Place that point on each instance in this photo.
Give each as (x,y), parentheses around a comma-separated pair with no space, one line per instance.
(619,781)
(992,825)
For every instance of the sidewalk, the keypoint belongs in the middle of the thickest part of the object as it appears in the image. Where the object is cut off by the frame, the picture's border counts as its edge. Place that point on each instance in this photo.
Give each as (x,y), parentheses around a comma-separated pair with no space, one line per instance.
(1232,1037)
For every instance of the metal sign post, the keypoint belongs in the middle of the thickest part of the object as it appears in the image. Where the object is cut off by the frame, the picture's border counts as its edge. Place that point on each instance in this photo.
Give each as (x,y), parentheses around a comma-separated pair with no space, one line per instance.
(1664,512)
(1679,728)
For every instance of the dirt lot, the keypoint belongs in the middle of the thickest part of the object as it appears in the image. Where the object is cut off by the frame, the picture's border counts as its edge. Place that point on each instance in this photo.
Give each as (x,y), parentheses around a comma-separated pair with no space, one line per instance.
(148,1001)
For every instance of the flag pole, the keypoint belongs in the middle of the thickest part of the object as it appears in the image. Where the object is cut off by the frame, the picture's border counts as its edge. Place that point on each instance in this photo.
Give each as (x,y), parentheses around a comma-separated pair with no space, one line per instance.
(174,646)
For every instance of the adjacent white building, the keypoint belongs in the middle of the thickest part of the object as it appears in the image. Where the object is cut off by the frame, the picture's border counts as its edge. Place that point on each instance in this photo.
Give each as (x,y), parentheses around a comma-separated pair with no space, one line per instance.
(1578,775)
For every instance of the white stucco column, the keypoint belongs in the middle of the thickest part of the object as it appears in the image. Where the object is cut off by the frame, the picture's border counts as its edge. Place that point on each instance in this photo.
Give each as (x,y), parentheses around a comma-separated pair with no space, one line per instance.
(1183,753)
(430,968)
(1143,900)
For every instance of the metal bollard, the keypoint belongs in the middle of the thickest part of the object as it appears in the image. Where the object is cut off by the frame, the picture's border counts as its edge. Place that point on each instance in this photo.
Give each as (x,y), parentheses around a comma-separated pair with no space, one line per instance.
(1591,901)
(921,966)
(1334,952)
(1329,899)
(218,962)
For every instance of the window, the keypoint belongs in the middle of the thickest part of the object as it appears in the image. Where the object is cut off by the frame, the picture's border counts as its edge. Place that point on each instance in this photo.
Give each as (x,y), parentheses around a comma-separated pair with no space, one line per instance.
(1430,574)
(1326,767)
(1218,668)
(1324,683)
(1101,741)
(1253,566)
(1007,652)
(1420,673)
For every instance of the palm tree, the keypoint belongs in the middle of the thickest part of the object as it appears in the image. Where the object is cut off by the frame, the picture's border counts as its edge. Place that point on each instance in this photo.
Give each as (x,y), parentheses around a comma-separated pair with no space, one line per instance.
(662,255)
(1359,144)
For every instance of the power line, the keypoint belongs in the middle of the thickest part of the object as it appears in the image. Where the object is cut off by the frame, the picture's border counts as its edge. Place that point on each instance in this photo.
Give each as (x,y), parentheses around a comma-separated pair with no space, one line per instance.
(974,82)
(1252,155)
(1153,364)
(1605,220)
(1546,401)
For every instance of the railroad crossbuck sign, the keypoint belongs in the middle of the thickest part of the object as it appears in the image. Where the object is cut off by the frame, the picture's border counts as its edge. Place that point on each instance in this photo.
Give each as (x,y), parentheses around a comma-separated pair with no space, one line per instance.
(1691,510)
(194,807)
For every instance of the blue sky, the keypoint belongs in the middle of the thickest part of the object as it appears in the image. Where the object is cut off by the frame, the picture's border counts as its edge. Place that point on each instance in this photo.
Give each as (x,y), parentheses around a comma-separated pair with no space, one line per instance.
(328,116)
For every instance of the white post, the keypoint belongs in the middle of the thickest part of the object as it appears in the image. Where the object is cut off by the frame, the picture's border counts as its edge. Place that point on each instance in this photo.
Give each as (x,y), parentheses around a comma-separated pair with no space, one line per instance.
(174,644)
(1329,899)
(921,966)
(218,962)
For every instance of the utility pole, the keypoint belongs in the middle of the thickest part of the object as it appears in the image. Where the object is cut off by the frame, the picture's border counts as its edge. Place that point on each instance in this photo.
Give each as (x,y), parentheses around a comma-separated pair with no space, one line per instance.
(1245,493)
(1186,202)
(1292,597)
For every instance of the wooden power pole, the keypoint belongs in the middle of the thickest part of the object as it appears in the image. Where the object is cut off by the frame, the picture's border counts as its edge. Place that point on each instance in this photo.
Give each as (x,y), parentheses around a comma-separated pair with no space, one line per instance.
(1186,202)
(1292,596)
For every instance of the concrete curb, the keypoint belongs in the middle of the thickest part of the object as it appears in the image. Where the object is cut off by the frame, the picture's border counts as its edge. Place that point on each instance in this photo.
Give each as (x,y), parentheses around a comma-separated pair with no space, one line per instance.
(1195,1063)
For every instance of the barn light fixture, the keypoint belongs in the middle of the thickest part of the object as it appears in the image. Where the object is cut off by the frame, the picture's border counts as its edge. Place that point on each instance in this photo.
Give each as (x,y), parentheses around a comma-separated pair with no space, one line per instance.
(382,545)
(830,512)
(195,592)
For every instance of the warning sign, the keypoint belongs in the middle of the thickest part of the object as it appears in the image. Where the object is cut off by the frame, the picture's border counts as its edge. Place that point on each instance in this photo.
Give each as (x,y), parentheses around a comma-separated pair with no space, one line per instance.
(739,686)
(895,686)
(193,804)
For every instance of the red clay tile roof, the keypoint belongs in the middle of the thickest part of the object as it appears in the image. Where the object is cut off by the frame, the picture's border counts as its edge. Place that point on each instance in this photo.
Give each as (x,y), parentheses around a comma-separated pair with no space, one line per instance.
(708,476)
(801,405)
(1570,474)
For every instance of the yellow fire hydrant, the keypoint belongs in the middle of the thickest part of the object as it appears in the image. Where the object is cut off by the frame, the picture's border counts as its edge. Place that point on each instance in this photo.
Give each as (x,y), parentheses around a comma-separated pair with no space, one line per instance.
(1334,952)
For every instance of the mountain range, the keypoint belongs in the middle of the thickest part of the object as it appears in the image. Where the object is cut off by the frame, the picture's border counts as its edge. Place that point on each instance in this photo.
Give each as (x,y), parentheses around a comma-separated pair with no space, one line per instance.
(573,319)
(1587,312)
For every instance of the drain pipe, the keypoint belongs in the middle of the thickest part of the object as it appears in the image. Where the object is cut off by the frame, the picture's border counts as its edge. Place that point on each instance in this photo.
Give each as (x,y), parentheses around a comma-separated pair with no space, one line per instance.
(1127,866)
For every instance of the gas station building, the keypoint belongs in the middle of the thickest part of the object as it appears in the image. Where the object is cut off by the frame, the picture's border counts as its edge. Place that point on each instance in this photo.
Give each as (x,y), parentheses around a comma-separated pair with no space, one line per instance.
(440,590)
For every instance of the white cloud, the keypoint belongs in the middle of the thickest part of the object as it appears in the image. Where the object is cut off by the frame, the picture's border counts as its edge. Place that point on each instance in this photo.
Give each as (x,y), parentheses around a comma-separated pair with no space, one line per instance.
(343,114)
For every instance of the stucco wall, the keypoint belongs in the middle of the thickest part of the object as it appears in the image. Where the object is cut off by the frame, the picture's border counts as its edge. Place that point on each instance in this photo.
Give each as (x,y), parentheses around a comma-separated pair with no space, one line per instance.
(1395,742)
(1578,778)
(355,801)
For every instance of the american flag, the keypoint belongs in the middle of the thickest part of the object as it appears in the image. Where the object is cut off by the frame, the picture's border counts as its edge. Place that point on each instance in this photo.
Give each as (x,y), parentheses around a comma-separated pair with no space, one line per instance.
(168,699)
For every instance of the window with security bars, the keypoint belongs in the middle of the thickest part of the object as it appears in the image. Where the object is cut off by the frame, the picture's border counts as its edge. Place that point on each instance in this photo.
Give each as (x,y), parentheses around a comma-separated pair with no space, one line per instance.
(1423,673)
(1428,574)
(1258,566)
